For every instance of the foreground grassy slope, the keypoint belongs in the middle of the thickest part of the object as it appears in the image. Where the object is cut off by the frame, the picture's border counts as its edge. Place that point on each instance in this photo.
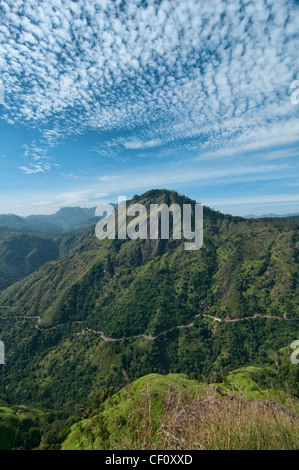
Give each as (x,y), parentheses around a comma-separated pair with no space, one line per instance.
(245,409)
(174,412)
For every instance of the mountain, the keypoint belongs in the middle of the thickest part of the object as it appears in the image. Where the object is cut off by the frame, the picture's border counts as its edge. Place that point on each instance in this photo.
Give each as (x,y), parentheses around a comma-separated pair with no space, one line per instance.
(21,254)
(171,411)
(67,218)
(13,222)
(294,214)
(64,220)
(27,243)
(149,306)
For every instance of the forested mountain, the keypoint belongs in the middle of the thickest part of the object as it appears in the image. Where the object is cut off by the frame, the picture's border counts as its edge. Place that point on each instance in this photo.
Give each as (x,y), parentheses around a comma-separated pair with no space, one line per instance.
(21,254)
(75,324)
(13,222)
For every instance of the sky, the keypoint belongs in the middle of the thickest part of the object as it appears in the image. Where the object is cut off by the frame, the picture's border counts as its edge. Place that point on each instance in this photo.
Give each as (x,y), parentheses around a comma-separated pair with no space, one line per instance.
(109,98)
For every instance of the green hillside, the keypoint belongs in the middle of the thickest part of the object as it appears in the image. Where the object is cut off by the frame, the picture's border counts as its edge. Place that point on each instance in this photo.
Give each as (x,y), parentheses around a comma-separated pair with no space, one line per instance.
(170,412)
(245,267)
(245,409)
(150,306)
(23,253)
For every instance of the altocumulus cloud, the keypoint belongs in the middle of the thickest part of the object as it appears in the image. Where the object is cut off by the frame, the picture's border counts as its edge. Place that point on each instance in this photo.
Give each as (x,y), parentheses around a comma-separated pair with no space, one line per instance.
(215,72)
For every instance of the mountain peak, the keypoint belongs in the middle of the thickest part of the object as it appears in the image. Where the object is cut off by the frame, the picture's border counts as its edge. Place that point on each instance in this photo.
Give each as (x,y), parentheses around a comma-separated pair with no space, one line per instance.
(159,196)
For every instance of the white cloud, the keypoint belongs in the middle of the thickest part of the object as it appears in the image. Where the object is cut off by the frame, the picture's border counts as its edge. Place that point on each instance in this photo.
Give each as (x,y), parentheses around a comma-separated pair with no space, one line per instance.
(32,169)
(215,72)
(139,144)
(108,178)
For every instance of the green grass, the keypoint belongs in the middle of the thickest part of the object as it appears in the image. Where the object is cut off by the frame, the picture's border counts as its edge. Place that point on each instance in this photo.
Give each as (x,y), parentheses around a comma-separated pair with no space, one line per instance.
(144,416)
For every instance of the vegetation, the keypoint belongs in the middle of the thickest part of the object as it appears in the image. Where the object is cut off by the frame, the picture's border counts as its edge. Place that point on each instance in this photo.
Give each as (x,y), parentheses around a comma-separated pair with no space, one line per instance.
(21,427)
(23,253)
(174,412)
(95,308)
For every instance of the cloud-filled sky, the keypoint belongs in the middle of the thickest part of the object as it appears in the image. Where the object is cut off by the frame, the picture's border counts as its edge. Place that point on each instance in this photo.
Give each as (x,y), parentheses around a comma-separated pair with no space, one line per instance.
(107,98)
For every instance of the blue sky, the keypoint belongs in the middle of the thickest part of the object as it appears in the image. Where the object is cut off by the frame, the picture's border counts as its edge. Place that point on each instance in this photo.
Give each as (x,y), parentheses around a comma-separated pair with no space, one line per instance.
(107,98)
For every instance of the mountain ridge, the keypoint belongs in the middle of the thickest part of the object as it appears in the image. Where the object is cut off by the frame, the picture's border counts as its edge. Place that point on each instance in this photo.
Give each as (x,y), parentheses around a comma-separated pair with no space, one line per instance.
(64,220)
(252,216)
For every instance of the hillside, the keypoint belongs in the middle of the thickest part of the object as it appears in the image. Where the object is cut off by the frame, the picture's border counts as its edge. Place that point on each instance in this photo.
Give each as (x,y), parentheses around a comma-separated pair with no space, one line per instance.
(27,243)
(13,222)
(170,411)
(22,253)
(175,412)
(150,306)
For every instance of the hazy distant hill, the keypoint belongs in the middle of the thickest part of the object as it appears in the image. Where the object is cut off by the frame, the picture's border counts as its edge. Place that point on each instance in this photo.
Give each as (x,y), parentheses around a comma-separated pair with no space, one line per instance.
(66,219)
(294,214)
(13,222)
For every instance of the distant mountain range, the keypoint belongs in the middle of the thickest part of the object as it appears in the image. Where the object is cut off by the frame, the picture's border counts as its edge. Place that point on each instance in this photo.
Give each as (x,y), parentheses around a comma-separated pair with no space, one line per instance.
(64,220)
(74,218)
(251,216)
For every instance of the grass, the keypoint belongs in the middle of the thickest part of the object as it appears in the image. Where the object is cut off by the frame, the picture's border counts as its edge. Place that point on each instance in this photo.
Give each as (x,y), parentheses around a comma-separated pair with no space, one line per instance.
(175,413)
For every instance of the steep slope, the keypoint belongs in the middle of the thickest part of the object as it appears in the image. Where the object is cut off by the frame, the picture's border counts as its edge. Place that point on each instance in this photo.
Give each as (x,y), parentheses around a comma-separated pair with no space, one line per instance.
(22,253)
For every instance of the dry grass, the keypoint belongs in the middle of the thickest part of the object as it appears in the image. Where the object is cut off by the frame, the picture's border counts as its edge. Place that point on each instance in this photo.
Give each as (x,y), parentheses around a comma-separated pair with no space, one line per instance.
(210,421)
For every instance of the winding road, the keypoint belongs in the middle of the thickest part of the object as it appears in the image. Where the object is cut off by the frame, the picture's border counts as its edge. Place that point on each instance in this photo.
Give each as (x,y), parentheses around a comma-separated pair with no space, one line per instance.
(147,337)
